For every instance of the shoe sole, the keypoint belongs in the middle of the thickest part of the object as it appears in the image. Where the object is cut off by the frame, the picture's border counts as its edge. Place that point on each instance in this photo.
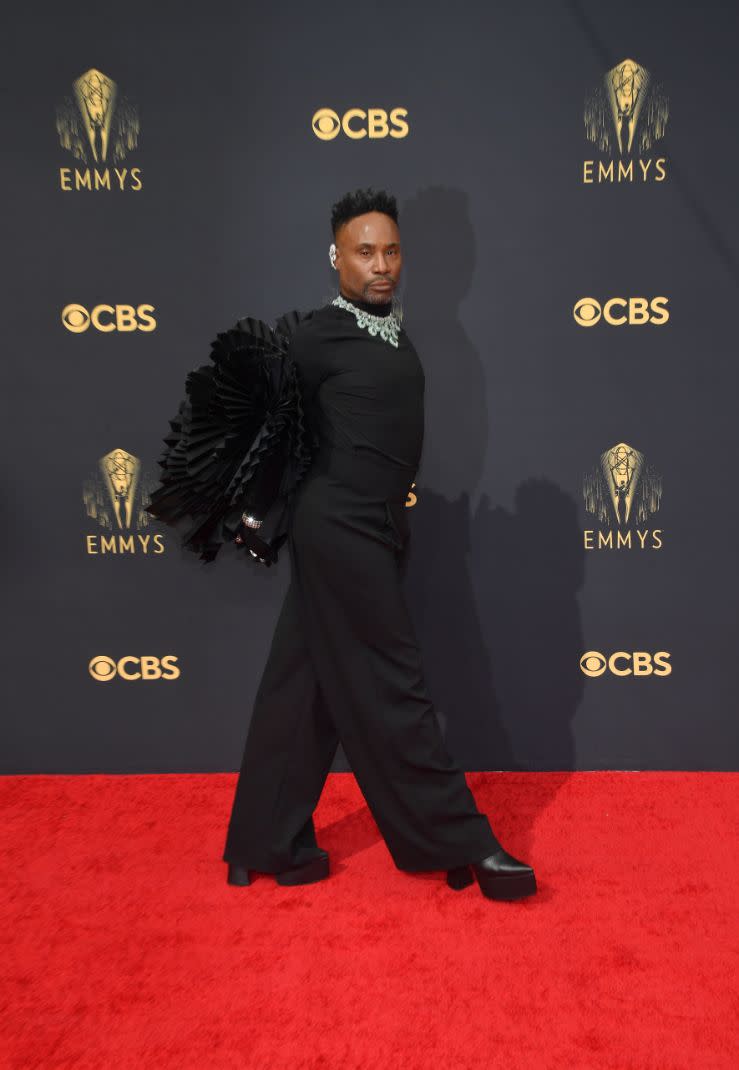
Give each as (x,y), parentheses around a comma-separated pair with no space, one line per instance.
(315,870)
(504,888)
(311,872)
(238,877)
(508,888)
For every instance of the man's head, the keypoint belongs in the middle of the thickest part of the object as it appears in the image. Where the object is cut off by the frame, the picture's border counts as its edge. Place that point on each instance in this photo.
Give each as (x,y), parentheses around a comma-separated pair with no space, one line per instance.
(367,239)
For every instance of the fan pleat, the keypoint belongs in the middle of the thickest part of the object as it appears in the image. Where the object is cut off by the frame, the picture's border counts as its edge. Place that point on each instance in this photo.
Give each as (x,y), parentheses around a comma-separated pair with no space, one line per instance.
(239,410)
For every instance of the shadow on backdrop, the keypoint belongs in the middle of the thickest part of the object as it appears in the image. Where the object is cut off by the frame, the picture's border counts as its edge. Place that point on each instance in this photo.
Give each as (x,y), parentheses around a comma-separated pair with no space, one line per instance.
(493,595)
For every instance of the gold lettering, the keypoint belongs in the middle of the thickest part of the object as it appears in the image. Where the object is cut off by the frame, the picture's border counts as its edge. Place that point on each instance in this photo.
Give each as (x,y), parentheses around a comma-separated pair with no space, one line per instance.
(626,171)
(146,320)
(101,179)
(377,122)
(662,661)
(608,316)
(613,661)
(638,310)
(642,663)
(348,116)
(125,318)
(170,667)
(623,540)
(97,322)
(124,544)
(660,314)
(605,172)
(123,670)
(150,668)
(397,118)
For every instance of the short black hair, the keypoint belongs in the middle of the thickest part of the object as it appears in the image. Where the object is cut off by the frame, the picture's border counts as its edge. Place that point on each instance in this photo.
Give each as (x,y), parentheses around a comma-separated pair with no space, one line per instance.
(361,201)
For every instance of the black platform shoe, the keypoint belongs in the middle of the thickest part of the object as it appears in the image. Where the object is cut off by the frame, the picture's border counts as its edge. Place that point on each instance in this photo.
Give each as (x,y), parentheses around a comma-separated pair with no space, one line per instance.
(500,876)
(306,873)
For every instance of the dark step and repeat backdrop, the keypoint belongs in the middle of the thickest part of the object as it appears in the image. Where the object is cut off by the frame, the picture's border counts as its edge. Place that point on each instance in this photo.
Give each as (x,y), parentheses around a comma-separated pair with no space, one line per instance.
(566,175)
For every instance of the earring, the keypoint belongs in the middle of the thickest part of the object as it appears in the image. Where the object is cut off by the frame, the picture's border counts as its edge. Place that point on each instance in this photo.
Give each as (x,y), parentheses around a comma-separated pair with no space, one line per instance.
(332,255)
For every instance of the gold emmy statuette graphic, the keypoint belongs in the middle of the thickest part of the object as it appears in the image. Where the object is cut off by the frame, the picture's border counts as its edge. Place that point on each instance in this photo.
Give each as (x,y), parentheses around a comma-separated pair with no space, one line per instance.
(115,497)
(626,86)
(622,468)
(95,95)
(98,125)
(121,473)
(628,112)
(622,486)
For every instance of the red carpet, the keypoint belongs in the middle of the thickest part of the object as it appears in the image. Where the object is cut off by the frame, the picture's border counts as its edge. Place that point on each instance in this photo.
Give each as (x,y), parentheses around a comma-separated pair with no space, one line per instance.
(126,948)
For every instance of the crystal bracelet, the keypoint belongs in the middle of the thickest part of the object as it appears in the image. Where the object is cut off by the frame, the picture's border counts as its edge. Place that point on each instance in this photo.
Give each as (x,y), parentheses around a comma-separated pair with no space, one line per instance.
(251,521)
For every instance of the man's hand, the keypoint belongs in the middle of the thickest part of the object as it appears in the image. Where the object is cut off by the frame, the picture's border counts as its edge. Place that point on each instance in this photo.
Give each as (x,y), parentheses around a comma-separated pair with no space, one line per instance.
(249,537)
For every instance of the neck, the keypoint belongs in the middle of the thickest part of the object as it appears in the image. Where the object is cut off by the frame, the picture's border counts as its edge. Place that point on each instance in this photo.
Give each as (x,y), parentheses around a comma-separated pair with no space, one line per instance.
(381,309)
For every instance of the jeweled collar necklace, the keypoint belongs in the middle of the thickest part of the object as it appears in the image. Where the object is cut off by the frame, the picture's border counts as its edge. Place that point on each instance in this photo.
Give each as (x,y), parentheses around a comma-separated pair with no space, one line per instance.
(387,326)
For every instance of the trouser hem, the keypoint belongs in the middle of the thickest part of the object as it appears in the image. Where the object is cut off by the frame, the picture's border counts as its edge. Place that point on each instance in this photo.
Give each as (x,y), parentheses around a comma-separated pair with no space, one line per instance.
(450,860)
(269,865)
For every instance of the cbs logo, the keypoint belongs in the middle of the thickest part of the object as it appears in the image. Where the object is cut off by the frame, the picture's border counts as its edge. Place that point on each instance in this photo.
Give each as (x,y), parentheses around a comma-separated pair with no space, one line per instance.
(107,318)
(638,663)
(102,668)
(620,310)
(356,123)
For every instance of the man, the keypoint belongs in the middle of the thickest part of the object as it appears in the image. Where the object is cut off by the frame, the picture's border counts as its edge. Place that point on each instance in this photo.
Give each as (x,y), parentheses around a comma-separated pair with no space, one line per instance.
(344,663)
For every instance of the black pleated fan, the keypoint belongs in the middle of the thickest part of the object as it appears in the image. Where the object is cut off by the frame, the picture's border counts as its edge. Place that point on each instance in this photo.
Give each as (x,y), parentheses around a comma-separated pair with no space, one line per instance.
(238,438)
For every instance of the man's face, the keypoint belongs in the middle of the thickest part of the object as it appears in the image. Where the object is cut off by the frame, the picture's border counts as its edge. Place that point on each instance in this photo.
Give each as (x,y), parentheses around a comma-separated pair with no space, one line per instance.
(368,258)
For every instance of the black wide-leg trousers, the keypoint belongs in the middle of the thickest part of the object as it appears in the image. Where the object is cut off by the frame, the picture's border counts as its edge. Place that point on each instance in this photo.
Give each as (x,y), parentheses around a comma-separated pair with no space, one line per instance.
(345,665)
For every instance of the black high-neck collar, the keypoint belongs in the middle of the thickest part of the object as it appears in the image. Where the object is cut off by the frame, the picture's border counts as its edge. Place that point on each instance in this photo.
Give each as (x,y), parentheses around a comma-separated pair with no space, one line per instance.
(383,309)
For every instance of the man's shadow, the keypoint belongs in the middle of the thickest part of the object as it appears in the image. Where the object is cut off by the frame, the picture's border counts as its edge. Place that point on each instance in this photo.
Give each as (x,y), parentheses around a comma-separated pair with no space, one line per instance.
(493,597)
(492,592)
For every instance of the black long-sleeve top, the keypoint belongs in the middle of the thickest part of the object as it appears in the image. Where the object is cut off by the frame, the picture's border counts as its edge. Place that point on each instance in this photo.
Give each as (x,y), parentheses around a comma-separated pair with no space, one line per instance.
(359,391)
